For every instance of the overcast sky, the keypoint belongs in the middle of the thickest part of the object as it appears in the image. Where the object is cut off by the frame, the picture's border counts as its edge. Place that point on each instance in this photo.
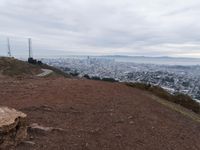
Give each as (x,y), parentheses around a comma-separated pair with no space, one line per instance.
(120,27)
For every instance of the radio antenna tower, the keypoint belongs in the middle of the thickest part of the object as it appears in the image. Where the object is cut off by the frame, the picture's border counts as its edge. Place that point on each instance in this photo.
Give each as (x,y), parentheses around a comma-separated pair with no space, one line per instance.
(30,48)
(9,51)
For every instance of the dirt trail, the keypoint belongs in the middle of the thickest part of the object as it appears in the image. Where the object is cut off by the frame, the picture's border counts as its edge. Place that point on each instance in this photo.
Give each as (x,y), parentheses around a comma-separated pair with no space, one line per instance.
(45,72)
(95,115)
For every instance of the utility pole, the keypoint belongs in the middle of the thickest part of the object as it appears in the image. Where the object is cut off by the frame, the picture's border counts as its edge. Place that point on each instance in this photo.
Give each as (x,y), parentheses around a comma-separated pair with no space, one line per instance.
(30,58)
(9,51)
(30,47)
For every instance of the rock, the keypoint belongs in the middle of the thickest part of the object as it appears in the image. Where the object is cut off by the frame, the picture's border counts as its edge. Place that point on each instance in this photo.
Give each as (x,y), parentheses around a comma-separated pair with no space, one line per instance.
(131,122)
(29,142)
(130,117)
(36,128)
(13,129)
(120,121)
(118,135)
(95,131)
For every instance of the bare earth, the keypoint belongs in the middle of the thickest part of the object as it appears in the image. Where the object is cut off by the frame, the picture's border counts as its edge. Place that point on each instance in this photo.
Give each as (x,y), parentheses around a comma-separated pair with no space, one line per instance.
(94,115)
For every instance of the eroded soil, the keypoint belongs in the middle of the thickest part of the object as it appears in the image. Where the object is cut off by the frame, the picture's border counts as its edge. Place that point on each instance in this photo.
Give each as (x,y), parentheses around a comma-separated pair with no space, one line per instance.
(95,115)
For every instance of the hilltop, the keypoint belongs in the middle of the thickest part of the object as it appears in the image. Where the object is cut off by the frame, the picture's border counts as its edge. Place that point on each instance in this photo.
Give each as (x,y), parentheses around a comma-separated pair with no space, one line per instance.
(85,114)
(13,67)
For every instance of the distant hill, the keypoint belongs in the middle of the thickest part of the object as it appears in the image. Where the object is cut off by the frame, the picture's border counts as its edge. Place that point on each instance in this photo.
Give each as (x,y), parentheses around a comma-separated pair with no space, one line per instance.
(156,60)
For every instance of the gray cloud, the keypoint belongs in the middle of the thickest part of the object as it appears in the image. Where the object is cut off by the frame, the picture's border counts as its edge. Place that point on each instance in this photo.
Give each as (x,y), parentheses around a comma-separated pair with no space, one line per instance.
(132,27)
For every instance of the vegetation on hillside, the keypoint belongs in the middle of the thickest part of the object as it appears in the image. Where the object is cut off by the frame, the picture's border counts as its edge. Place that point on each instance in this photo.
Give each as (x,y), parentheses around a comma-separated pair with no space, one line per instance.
(55,70)
(178,98)
(14,67)
(99,79)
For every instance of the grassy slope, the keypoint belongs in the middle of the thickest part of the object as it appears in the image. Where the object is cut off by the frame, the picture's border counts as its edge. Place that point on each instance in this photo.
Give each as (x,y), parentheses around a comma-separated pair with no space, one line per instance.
(181,99)
(178,108)
(180,103)
(14,67)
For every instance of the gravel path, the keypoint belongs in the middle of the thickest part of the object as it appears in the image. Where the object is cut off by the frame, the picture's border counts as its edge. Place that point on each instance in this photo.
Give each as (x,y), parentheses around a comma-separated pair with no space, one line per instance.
(45,73)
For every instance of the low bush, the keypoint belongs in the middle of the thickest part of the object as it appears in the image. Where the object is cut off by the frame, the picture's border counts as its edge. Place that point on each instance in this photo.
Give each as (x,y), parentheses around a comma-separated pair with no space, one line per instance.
(86,76)
(109,80)
(95,78)
(99,79)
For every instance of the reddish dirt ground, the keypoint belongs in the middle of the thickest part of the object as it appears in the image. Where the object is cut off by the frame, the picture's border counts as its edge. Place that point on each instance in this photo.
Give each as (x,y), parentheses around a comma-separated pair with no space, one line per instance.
(97,115)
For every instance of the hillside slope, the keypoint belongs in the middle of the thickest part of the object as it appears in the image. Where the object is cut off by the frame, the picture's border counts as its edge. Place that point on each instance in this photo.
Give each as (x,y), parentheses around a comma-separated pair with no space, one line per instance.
(95,115)
(14,67)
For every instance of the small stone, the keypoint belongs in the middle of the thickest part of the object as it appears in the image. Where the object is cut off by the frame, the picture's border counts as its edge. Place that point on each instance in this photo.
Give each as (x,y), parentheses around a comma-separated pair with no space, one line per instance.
(86,144)
(29,142)
(120,121)
(130,117)
(111,110)
(94,131)
(37,127)
(131,122)
(34,127)
(118,135)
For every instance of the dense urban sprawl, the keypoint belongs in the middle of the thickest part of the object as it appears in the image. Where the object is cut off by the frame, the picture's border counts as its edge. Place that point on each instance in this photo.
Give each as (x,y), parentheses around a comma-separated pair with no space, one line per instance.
(184,79)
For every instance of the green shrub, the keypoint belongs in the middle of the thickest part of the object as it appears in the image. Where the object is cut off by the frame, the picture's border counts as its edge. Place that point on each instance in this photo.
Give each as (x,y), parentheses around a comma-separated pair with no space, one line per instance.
(86,76)
(109,80)
(95,78)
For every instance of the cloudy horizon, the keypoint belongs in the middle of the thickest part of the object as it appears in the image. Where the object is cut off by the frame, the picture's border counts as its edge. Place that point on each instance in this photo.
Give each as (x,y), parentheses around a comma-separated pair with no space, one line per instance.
(106,27)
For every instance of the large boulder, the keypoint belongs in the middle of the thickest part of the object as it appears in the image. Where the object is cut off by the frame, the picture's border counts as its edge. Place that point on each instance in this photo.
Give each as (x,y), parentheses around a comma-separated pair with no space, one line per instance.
(13,128)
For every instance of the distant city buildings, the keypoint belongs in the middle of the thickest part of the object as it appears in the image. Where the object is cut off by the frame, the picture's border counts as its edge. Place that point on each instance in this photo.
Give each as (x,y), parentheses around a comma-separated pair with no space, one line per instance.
(184,79)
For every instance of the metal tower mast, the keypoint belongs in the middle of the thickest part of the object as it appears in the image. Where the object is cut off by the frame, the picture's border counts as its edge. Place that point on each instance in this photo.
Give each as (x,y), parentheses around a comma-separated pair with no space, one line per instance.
(30,47)
(9,51)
